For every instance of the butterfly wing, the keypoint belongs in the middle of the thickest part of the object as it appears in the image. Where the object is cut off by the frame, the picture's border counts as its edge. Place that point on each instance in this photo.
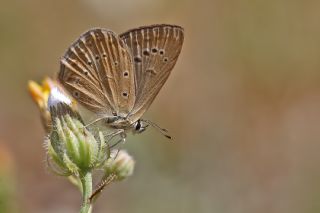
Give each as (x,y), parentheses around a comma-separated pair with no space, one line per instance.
(97,70)
(154,50)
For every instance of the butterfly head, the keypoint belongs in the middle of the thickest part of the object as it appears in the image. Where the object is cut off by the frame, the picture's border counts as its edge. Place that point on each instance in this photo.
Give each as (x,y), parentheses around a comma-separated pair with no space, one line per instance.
(139,126)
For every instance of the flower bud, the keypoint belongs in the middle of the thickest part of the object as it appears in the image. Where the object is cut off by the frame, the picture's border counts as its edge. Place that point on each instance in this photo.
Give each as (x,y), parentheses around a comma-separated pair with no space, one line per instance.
(120,164)
(71,146)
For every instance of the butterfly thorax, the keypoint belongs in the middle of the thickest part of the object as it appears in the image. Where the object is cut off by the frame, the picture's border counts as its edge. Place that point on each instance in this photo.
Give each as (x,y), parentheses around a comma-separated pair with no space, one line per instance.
(118,122)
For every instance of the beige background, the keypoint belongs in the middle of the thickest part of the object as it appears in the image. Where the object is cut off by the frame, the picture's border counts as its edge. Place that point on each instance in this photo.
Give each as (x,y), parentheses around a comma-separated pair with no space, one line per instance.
(243,104)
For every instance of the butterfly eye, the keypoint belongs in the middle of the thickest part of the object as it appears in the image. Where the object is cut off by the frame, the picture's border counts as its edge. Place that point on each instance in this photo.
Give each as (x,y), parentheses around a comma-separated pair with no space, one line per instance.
(165,59)
(138,125)
(104,55)
(97,57)
(85,72)
(116,63)
(89,63)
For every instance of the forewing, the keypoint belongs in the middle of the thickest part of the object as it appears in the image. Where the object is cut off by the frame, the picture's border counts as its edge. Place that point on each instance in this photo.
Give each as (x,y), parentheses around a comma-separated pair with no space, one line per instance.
(97,70)
(154,50)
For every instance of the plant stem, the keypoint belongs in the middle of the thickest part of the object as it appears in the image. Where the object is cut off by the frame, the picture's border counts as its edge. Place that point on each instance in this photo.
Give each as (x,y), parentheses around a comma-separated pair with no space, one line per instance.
(104,182)
(86,181)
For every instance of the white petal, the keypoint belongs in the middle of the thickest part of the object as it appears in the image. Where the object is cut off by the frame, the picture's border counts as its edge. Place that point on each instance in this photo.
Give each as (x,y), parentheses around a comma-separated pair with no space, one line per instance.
(57,96)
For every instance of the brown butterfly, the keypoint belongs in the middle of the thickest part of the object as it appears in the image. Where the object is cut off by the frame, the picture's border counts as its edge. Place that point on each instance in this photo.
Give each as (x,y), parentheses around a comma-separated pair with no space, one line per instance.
(118,77)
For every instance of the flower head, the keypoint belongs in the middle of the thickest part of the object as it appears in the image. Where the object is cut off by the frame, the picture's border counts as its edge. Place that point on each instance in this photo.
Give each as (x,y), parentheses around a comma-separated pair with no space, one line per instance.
(40,95)
(72,147)
(74,150)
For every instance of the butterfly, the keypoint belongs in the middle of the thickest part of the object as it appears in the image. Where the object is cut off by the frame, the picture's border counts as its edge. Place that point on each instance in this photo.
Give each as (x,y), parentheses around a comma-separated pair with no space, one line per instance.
(118,76)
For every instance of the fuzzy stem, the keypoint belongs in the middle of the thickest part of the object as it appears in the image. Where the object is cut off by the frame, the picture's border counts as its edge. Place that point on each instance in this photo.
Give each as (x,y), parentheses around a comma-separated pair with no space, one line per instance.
(86,181)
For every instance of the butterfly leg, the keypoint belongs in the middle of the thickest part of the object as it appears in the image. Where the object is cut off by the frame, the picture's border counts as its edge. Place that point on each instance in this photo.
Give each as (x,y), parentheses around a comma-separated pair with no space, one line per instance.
(115,133)
(122,139)
(107,119)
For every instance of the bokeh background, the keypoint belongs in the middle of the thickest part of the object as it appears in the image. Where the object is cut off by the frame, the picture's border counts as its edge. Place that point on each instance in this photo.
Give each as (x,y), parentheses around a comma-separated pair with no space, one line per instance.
(243,104)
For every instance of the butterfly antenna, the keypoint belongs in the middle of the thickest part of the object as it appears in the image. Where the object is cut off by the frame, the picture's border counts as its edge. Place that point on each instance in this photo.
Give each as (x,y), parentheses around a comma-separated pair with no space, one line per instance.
(161,130)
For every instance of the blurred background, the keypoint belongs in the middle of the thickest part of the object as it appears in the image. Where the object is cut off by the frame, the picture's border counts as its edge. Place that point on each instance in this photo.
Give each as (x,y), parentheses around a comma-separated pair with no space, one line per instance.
(243,104)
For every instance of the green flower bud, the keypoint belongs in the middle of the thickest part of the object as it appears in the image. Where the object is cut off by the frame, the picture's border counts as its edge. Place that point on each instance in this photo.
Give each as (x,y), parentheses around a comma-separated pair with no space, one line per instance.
(71,146)
(120,164)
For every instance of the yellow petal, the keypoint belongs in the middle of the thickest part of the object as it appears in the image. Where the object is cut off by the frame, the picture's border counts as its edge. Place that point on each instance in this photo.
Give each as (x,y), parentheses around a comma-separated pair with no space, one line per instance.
(36,93)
